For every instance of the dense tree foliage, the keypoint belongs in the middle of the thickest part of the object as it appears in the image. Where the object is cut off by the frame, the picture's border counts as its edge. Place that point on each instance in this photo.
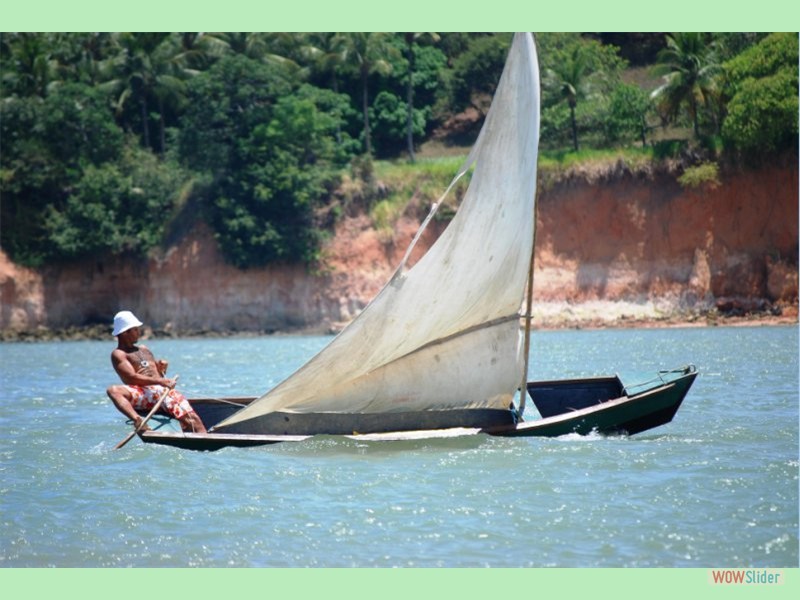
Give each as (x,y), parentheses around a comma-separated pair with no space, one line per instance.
(48,144)
(579,75)
(475,71)
(116,207)
(627,114)
(763,86)
(106,138)
(271,152)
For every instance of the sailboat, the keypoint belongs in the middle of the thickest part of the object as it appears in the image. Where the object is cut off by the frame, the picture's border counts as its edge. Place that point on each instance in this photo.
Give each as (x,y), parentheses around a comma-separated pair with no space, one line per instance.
(443,348)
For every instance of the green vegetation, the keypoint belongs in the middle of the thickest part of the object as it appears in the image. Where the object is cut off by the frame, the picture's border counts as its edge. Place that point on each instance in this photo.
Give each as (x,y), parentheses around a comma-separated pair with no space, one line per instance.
(598,157)
(761,83)
(417,187)
(703,175)
(689,65)
(110,140)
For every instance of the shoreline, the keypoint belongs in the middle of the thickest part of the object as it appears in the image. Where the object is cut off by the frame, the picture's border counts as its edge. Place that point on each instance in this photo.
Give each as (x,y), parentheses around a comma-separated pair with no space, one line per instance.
(541,322)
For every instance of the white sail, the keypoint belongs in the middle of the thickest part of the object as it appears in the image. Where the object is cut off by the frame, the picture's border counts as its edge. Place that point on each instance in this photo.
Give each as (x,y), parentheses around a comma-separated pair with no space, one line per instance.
(445,334)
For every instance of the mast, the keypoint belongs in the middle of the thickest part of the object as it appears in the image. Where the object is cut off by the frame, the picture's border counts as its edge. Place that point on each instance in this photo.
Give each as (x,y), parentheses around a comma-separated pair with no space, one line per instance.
(523,391)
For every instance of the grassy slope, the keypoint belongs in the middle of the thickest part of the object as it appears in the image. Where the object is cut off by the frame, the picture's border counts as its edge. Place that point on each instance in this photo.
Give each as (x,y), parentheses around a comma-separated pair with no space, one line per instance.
(400,187)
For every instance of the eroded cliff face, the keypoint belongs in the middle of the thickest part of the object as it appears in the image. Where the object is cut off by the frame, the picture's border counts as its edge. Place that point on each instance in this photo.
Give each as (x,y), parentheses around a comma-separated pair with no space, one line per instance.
(628,238)
(640,237)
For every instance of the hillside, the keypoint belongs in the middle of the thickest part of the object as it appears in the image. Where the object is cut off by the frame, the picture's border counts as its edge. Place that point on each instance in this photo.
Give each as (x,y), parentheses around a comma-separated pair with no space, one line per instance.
(615,245)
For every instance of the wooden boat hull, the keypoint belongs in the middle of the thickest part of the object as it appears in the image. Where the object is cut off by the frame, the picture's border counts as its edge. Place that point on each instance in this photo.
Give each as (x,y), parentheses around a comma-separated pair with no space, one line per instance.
(626,414)
(575,406)
(285,423)
(214,441)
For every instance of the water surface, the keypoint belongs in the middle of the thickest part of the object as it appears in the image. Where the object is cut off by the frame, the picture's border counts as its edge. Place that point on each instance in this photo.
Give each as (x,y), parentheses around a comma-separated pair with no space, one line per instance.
(716,487)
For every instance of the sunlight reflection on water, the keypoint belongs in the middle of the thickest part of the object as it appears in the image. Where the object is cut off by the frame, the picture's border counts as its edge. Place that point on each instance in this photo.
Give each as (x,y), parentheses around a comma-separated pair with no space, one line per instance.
(717,486)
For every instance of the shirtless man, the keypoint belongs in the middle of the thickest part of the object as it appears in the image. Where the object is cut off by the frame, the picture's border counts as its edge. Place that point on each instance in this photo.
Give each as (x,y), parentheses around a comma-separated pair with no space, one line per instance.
(144,379)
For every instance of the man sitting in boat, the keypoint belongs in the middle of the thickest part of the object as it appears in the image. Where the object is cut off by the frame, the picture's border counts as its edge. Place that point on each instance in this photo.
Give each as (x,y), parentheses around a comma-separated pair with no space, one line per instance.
(145,379)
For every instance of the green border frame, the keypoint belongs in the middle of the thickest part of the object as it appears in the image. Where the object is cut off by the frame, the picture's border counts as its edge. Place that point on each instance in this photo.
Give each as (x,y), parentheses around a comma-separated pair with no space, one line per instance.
(387,584)
(406,15)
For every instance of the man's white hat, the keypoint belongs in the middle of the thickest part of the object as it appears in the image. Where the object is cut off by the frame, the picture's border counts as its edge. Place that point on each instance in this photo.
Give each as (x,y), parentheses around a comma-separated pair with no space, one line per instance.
(125,320)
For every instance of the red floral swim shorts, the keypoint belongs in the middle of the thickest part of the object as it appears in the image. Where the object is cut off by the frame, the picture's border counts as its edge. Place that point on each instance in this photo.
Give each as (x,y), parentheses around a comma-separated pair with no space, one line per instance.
(145,398)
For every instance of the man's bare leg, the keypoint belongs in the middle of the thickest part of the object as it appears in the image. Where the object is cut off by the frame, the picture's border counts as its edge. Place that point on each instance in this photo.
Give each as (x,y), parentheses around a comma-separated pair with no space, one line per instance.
(191,422)
(121,398)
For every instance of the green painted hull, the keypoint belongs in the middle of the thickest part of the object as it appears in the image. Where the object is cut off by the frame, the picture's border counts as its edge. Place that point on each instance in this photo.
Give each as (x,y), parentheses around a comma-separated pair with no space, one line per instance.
(650,407)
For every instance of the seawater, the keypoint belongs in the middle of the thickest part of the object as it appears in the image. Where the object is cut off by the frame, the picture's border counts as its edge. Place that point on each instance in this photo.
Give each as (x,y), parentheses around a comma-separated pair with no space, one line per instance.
(716,487)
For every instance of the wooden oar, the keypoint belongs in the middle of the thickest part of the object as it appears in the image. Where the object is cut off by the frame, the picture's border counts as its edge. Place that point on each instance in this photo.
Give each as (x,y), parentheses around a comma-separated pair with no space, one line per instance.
(150,414)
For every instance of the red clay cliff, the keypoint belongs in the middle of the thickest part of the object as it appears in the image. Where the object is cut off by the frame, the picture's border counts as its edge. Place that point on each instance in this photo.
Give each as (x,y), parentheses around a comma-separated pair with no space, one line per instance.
(616,246)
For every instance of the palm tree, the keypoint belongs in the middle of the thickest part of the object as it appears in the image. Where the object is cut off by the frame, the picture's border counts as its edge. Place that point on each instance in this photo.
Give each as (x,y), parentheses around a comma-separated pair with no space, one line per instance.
(569,77)
(272,48)
(197,51)
(80,57)
(689,66)
(132,74)
(171,71)
(326,50)
(287,50)
(410,38)
(368,51)
(250,45)
(31,67)
(144,69)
